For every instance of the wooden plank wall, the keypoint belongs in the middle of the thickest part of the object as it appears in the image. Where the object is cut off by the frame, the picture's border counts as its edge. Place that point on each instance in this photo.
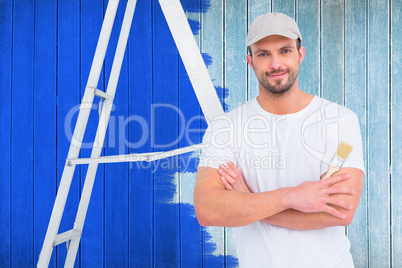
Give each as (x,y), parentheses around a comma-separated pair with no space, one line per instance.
(142,214)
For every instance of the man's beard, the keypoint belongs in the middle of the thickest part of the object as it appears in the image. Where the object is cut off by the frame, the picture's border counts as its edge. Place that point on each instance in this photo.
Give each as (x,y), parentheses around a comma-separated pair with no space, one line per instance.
(278,89)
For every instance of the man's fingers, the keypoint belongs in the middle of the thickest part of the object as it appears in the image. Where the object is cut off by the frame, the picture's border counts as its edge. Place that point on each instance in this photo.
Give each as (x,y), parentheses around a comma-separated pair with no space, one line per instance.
(228,170)
(335,179)
(226,184)
(339,190)
(340,203)
(233,166)
(334,212)
(227,176)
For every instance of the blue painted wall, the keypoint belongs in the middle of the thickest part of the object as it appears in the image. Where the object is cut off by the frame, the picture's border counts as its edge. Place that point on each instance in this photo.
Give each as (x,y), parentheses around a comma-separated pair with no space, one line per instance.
(141,214)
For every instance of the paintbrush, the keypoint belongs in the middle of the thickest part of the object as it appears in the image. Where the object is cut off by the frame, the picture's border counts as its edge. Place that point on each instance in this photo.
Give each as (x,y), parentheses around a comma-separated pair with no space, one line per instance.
(340,156)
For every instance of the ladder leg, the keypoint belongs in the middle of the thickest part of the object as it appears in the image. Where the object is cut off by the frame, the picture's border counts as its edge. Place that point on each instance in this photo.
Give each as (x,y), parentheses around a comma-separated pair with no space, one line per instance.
(81,214)
(72,253)
(79,131)
(192,59)
(55,219)
(101,131)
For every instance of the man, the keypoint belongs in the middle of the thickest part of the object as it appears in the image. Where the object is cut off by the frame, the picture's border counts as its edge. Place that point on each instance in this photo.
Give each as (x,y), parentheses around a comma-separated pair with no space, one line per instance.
(277,147)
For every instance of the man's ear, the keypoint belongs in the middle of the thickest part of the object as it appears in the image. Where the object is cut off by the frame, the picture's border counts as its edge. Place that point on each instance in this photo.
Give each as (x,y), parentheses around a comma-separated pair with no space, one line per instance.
(250,61)
(302,53)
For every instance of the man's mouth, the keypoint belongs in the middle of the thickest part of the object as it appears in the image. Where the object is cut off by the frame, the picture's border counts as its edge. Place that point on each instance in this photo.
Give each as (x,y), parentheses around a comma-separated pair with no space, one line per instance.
(278,74)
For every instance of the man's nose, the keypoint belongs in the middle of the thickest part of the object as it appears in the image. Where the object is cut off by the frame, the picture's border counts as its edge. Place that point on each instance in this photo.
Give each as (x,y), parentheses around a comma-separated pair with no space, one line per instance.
(275,62)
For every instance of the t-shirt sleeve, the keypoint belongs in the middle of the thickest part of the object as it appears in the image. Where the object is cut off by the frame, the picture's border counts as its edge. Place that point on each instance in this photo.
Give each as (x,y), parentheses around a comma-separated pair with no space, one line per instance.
(348,131)
(218,147)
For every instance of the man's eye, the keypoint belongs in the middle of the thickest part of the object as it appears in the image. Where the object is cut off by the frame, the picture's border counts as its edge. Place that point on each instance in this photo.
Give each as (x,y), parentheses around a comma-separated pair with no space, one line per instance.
(262,54)
(285,51)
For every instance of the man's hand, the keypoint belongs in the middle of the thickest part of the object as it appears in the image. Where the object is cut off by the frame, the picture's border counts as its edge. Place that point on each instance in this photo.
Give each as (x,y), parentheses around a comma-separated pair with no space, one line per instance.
(315,196)
(232,178)
(308,197)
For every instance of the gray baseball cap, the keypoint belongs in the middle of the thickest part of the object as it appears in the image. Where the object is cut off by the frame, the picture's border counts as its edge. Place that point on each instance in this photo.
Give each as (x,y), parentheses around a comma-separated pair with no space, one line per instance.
(272,24)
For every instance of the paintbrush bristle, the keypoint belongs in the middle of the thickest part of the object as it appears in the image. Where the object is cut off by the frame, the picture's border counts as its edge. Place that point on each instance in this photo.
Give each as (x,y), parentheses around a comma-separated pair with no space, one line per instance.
(344,150)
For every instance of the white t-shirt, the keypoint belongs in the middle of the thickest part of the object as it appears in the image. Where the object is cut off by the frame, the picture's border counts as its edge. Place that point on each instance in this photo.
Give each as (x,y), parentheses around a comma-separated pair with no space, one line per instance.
(276,151)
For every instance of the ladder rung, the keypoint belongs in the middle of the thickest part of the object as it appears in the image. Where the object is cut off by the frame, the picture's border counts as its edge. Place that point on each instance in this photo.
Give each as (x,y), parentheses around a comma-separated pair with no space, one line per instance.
(66,236)
(134,157)
(102,94)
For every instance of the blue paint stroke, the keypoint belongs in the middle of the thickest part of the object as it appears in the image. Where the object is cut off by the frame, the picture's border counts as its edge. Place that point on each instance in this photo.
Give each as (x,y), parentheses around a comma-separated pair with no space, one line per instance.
(207,59)
(208,248)
(223,94)
(202,249)
(199,243)
(201,6)
(195,26)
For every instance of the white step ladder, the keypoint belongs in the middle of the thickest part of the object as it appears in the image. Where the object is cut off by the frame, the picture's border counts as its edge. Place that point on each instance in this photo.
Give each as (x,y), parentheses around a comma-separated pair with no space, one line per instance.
(199,78)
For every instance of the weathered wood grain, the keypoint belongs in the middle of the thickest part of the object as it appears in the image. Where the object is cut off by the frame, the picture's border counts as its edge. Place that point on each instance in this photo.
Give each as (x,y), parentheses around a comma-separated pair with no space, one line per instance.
(6,72)
(68,98)
(332,50)
(92,243)
(140,179)
(44,120)
(356,100)
(116,183)
(308,17)
(396,130)
(21,135)
(165,126)
(212,42)
(378,131)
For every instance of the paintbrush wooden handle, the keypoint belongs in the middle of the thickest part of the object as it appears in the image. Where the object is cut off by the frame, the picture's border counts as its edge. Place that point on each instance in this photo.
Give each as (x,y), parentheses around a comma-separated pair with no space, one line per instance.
(331,170)
(341,154)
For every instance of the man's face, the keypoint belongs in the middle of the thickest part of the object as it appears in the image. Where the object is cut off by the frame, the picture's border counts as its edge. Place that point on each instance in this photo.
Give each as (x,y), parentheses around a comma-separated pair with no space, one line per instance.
(276,63)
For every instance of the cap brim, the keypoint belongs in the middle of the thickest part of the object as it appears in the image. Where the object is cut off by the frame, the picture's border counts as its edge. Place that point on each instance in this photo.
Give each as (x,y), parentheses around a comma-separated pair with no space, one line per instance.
(282,32)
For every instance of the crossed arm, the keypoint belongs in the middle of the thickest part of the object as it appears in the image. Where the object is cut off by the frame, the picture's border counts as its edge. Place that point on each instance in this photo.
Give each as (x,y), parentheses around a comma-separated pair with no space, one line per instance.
(232,179)
(219,205)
